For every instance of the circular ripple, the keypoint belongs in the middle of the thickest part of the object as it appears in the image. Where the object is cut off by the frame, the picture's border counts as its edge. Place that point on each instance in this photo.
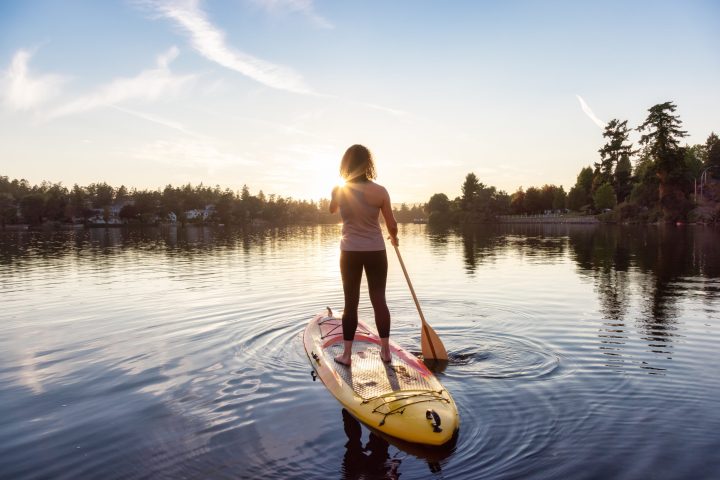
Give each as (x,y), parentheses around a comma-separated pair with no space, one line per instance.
(502,356)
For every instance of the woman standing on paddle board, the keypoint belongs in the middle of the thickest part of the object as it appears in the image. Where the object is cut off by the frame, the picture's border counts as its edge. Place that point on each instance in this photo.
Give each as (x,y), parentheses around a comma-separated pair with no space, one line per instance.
(362,246)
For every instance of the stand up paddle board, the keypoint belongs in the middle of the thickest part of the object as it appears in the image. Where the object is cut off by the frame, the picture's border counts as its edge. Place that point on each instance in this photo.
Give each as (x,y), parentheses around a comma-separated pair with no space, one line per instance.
(401,398)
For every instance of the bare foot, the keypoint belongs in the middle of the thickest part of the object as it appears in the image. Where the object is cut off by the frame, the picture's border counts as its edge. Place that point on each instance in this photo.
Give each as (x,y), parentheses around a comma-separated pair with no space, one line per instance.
(343,360)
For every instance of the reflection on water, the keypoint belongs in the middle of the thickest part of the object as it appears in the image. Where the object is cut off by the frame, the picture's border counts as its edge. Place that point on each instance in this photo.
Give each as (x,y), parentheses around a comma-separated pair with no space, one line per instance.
(575,351)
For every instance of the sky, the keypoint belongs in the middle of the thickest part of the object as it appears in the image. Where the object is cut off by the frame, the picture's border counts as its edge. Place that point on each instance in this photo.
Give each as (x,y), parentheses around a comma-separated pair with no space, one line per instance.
(270,93)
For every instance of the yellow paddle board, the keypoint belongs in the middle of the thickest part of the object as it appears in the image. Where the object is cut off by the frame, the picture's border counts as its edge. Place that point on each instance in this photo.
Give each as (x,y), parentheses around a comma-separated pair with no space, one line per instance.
(401,398)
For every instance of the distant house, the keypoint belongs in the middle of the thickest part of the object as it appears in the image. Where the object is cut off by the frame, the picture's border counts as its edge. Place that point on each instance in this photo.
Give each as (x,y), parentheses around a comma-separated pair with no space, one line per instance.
(193,214)
(203,214)
(97,217)
(172,217)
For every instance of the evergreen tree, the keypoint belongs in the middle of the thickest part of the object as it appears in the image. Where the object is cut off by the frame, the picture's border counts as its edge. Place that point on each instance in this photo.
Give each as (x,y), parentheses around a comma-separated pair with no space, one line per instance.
(470,189)
(616,133)
(623,178)
(662,144)
(712,148)
(663,136)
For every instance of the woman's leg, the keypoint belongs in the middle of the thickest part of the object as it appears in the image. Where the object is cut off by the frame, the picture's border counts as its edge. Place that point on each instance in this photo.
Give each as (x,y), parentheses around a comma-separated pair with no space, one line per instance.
(351,268)
(376,266)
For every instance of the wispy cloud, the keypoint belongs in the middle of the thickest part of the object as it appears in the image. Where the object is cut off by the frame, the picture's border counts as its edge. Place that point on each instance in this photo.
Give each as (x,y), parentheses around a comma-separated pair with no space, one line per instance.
(304,7)
(171,124)
(589,112)
(20,90)
(209,41)
(191,153)
(149,85)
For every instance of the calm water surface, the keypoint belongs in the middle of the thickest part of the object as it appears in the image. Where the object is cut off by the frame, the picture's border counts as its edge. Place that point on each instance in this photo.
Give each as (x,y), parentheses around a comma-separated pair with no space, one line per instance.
(576,352)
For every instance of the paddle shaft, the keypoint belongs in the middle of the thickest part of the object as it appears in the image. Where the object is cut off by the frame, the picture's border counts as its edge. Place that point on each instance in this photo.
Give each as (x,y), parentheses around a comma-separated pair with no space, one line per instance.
(417,304)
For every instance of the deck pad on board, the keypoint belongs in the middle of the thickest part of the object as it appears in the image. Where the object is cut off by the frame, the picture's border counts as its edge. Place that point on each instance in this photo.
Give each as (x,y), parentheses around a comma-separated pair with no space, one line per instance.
(370,377)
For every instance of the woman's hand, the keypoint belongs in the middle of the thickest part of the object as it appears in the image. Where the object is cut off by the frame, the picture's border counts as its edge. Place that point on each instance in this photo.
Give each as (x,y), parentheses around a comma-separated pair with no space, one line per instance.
(394,240)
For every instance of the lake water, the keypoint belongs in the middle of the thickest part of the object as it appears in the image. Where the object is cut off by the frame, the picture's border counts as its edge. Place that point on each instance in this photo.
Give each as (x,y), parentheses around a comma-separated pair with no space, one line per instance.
(576,352)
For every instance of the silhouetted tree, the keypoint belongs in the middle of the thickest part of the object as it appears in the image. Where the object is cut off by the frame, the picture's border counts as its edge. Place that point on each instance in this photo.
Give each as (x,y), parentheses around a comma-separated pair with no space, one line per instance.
(616,148)
(533,201)
(662,143)
(8,210)
(712,147)
(470,189)
(517,202)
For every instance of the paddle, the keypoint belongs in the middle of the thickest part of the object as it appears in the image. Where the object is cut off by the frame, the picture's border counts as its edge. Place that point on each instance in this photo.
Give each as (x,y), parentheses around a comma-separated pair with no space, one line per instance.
(431,345)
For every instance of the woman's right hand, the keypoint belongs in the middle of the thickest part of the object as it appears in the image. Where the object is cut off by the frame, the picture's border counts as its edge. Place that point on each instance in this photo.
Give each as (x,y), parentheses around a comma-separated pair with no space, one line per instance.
(394,241)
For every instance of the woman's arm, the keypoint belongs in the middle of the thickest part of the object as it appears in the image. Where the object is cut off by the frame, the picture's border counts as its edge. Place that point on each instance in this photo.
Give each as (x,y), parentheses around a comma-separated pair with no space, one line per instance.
(390,221)
(334,199)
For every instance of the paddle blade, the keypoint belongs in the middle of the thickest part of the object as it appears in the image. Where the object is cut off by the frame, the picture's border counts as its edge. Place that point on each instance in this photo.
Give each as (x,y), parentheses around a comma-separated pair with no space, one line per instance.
(431,345)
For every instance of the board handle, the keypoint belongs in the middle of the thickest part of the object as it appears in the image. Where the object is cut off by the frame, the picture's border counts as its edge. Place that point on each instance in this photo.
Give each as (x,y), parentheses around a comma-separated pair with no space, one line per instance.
(432,414)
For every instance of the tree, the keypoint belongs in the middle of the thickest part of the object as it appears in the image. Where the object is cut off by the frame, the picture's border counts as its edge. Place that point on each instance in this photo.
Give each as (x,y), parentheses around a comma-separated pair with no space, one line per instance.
(623,178)
(585,179)
(695,158)
(662,144)
(663,135)
(56,203)
(101,194)
(121,193)
(32,207)
(129,212)
(577,198)
(470,189)
(579,195)
(559,198)
(533,200)
(613,151)
(8,209)
(604,197)
(517,202)
(712,148)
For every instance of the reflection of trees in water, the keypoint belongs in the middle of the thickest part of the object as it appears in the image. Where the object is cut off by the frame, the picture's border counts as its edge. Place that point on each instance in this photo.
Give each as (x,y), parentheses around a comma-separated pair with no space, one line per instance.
(438,235)
(98,244)
(656,262)
(483,243)
(480,244)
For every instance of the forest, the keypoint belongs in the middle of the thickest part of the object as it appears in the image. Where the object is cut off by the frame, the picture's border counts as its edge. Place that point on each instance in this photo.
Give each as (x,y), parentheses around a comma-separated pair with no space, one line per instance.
(102,204)
(657,181)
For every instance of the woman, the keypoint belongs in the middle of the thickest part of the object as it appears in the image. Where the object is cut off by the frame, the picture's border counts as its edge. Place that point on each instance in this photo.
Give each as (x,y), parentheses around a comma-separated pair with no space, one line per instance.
(362,245)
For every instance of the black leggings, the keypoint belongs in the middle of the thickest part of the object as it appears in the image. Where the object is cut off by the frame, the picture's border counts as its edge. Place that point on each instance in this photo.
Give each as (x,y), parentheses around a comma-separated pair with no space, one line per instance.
(351,268)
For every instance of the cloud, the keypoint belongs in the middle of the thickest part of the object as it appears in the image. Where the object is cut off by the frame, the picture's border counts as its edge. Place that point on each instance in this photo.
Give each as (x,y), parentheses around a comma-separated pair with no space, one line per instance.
(148,85)
(304,7)
(190,153)
(209,41)
(172,124)
(589,113)
(19,90)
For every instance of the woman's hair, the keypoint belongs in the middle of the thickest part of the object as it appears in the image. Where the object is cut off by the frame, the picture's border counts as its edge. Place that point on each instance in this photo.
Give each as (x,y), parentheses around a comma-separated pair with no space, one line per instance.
(357,164)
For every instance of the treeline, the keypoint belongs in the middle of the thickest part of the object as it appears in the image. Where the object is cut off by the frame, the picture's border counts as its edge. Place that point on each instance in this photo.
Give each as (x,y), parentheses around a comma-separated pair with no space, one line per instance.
(22,203)
(654,182)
